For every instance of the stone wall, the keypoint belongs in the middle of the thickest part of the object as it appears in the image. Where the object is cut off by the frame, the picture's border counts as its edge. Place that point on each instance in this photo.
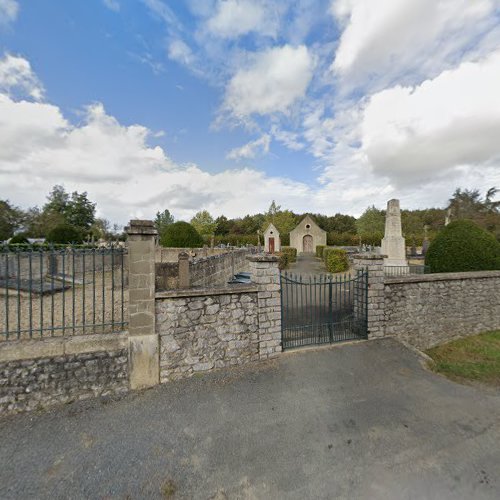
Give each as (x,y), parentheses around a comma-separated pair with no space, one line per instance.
(204,272)
(433,309)
(218,269)
(206,329)
(38,374)
(203,329)
(168,254)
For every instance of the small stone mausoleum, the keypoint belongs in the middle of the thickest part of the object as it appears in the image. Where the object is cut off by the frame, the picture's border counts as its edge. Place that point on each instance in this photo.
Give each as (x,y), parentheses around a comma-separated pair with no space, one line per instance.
(307,236)
(272,241)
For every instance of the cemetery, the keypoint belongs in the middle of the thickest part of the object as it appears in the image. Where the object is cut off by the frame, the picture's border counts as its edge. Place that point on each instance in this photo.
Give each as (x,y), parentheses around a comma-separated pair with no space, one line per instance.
(159,314)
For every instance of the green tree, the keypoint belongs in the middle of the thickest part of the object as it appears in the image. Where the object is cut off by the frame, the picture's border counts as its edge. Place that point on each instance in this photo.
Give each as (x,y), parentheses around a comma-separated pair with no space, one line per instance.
(204,223)
(80,211)
(371,221)
(283,220)
(163,220)
(11,219)
(57,200)
(223,226)
(75,210)
(181,235)
(65,233)
(469,204)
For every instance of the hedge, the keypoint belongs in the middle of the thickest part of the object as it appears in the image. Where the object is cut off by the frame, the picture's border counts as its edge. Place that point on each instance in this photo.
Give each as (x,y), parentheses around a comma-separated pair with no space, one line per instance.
(319,250)
(291,252)
(336,260)
(463,246)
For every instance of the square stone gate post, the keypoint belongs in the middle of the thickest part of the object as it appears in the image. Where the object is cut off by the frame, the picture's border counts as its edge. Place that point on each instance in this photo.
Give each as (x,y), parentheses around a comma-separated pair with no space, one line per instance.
(144,364)
(266,275)
(374,263)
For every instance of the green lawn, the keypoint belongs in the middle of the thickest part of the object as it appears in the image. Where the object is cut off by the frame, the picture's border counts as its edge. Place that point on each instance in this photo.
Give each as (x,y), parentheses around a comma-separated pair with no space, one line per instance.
(475,358)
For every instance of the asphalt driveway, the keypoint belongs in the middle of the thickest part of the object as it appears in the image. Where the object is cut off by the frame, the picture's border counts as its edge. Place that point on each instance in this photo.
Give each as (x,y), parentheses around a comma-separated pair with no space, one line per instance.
(357,421)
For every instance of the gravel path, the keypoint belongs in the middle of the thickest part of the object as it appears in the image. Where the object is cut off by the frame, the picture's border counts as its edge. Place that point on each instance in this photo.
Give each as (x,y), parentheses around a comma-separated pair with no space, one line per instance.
(355,421)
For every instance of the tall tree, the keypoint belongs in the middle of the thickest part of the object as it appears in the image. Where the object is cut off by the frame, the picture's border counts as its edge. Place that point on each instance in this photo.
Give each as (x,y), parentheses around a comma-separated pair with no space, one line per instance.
(371,221)
(11,219)
(163,220)
(204,223)
(80,211)
(223,225)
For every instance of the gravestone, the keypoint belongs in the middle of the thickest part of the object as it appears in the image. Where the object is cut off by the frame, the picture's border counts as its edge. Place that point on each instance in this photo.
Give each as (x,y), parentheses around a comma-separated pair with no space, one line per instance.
(393,243)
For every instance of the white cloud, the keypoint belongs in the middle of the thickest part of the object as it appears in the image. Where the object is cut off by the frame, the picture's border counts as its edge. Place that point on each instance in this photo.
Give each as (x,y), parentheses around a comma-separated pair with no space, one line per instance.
(113,5)
(290,139)
(17,78)
(274,80)
(234,18)
(179,51)
(389,37)
(450,121)
(251,149)
(8,11)
(119,169)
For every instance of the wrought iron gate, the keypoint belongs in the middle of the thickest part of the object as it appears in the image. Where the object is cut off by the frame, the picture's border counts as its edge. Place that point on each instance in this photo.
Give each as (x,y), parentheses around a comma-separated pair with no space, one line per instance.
(320,309)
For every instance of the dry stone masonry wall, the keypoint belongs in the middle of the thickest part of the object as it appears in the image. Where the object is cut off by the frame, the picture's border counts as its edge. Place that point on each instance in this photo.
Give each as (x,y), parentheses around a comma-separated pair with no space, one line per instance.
(433,309)
(37,383)
(206,331)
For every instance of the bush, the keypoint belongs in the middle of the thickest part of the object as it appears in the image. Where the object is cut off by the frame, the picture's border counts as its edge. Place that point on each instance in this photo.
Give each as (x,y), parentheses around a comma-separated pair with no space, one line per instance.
(463,246)
(373,239)
(291,252)
(336,260)
(342,239)
(236,239)
(284,260)
(181,235)
(19,239)
(319,251)
(64,233)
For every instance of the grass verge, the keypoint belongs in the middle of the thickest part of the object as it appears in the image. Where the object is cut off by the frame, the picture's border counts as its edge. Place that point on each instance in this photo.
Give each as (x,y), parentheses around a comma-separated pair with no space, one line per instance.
(475,358)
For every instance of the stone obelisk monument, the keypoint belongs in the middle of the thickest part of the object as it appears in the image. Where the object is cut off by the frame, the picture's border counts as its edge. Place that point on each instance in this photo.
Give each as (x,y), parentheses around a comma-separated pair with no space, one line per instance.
(393,243)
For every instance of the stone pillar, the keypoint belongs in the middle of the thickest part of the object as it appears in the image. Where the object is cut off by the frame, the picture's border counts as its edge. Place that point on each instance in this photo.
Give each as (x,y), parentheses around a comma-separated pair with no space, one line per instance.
(374,263)
(266,275)
(184,278)
(393,243)
(143,340)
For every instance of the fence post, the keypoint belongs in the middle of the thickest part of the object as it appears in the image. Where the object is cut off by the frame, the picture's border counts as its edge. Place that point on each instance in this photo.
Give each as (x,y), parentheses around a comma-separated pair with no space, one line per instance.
(184,278)
(374,263)
(143,340)
(266,275)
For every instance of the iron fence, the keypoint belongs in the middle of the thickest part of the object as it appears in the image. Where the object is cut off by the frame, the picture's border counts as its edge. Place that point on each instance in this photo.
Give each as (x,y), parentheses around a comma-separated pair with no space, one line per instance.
(410,269)
(49,291)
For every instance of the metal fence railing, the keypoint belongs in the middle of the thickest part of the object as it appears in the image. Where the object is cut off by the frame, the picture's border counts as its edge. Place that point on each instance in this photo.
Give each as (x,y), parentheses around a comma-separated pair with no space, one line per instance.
(49,291)
(410,269)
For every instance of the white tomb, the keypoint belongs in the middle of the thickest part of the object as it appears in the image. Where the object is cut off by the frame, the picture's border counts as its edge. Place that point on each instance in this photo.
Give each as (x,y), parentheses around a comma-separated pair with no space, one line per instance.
(393,243)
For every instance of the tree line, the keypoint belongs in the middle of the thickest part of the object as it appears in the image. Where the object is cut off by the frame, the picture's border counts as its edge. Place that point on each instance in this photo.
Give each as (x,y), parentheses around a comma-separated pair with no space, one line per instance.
(64,218)
(71,217)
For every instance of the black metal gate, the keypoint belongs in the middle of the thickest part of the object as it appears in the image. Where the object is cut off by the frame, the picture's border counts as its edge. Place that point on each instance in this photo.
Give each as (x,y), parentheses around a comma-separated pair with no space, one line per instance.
(321,309)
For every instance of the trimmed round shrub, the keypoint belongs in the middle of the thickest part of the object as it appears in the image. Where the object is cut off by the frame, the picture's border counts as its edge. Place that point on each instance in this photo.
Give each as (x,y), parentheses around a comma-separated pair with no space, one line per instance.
(463,246)
(181,235)
(19,239)
(336,260)
(64,233)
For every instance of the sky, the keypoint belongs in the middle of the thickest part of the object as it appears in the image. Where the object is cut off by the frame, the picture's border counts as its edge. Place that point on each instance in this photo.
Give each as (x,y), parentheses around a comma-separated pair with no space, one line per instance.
(225,105)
